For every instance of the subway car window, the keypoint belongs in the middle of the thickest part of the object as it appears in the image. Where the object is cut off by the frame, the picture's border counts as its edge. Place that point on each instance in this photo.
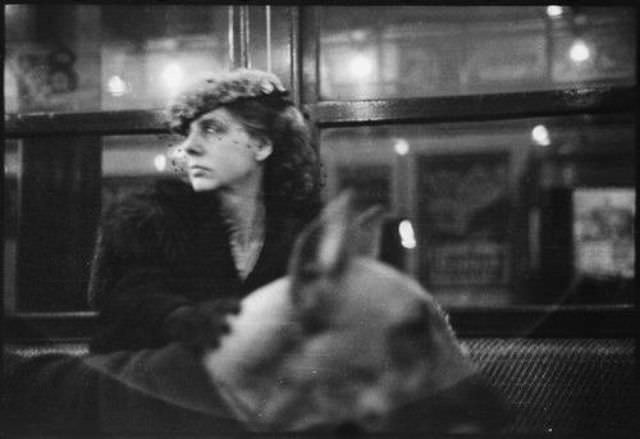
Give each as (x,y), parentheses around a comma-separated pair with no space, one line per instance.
(10,220)
(51,209)
(515,212)
(501,212)
(55,249)
(499,141)
(77,58)
(113,58)
(133,162)
(412,51)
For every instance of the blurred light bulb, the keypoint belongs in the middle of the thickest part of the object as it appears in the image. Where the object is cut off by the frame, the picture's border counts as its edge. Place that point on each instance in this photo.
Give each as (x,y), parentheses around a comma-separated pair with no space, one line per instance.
(540,135)
(361,66)
(579,51)
(554,10)
(10,10)
(407,236)
(401,147)
(173,76)
(359,35)
(160,162)
(116,86)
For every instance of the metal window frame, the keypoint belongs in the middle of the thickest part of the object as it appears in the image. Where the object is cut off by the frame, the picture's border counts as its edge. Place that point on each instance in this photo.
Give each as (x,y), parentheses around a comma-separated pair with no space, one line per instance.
(531,321)
(76,325)
(512,321)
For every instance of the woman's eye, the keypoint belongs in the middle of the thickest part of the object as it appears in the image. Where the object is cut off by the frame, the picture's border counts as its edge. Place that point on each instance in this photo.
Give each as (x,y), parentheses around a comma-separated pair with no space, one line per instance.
(213,129)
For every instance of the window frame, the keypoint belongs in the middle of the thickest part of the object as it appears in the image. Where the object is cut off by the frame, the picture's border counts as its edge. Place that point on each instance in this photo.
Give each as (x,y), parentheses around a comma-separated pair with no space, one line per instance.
(521,321)
(54,326)
(509,321)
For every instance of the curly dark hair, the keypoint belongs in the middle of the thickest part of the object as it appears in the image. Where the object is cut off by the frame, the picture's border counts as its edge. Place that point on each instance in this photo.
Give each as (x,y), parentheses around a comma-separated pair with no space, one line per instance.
(292,178)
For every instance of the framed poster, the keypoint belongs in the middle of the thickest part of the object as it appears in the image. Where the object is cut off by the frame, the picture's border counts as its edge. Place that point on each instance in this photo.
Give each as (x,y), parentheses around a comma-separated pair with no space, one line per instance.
(43,77)
(603,232)
(463,209)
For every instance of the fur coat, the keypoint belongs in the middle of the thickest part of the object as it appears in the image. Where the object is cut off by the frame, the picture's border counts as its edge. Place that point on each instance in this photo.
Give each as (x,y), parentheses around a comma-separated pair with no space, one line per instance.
(166,247)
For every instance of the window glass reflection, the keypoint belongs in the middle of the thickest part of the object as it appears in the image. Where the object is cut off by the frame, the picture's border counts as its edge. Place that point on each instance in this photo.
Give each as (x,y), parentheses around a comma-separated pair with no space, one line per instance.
(56,185)
(90,57)
(131,162)
(10,220)
(412,51)
(504,212)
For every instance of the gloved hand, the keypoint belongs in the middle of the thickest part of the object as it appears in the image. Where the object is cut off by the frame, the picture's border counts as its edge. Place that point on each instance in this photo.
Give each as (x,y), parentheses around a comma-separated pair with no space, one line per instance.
(201,326)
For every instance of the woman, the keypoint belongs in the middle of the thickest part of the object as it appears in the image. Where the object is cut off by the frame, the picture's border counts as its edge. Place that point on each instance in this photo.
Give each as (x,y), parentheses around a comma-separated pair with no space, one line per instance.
(169,258)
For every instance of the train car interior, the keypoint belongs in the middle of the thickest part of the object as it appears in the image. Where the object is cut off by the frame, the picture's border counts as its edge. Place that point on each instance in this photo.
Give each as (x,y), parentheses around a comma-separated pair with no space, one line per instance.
(528,111)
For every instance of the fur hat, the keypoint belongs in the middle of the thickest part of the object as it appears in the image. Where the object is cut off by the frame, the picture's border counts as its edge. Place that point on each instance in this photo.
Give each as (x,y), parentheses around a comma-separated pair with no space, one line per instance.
(207,94)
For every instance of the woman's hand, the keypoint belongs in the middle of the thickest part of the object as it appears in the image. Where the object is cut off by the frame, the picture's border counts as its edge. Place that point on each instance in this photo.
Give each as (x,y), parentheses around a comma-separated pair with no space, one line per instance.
(202,325)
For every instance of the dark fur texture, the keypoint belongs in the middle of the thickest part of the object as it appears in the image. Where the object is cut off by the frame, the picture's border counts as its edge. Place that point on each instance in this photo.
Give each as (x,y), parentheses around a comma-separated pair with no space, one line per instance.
(168,247)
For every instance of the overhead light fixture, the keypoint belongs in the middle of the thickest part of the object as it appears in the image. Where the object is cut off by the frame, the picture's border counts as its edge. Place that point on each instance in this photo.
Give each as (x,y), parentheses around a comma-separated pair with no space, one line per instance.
(10,10)
(361,66)
(401,147)
(359,35)
(173,75)
(116,86)
(579,51)
(554,11)
(540,135)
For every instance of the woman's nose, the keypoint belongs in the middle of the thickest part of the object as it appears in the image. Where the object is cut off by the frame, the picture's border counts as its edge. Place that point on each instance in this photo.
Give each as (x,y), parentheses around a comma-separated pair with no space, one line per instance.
(191,146)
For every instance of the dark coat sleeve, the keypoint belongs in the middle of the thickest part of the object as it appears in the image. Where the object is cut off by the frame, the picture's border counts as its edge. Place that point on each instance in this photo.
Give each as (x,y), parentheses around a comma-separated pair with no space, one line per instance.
(145,392)
(167,248)
(130,282)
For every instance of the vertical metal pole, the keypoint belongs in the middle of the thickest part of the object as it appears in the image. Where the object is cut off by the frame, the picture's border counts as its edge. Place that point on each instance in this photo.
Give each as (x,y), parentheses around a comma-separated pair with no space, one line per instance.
(230,36)
(549,50)
(245,60)
(268,36)
(239,36)
(307,33)
(415,255)
(295,65)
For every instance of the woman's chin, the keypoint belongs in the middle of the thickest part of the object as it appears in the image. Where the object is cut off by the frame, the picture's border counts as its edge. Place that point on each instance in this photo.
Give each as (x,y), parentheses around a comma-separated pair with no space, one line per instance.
(199,185)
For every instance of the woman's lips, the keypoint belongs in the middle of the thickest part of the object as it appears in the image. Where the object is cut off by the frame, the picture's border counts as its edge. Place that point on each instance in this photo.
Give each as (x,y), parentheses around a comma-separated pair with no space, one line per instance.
(196,169)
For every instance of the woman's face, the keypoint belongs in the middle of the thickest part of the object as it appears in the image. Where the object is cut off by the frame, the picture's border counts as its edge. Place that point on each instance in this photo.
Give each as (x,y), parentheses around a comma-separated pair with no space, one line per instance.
(220,152)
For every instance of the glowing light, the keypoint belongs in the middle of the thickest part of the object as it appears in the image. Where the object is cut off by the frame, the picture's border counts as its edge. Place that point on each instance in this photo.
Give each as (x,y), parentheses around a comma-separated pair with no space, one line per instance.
(540,135)
(160,162)
(407,236)
(401,147)
(116,86)
(359,35)
(10,10)
(173,75)
(555,11)
(361,66)
(579,51)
